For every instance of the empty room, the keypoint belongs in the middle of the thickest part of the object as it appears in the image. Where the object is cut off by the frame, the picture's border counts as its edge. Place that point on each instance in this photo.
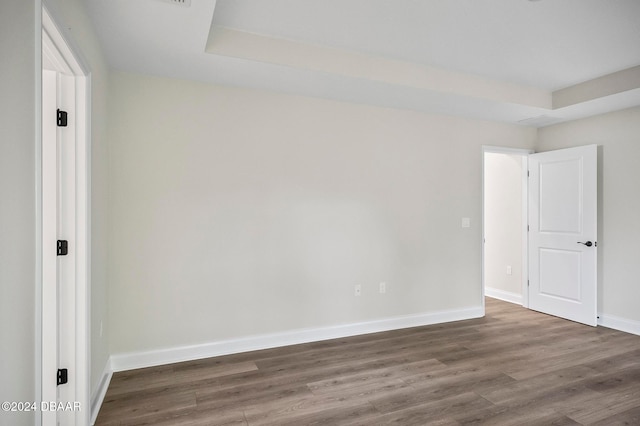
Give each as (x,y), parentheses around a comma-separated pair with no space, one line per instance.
(285,212)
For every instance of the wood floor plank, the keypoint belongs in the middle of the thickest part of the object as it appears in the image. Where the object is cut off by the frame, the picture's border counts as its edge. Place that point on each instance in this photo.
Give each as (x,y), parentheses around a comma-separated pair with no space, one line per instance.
(140,379)
(436,412)
(192,418)
(334,384)
(310,410)
(437,386)
(247,395)
(604,406)
(543,417)
(455,379)
(188,375)
(161,403)
(628,417)
(512,367)
(539,384)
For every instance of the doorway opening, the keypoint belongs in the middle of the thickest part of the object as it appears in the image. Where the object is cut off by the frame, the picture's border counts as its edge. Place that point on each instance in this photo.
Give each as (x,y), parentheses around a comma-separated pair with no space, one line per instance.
(555,216)
(504,269)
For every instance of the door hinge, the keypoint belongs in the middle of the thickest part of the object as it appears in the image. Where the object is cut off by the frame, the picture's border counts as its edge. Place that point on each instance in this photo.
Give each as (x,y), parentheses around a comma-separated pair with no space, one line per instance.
(527,283)
(527,228)
(62,118)
(528,173)
(63,248)
(63,376)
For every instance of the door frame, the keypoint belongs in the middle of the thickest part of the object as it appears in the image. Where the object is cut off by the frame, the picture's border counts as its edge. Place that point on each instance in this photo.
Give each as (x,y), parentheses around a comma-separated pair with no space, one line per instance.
(525,215)
(57,50)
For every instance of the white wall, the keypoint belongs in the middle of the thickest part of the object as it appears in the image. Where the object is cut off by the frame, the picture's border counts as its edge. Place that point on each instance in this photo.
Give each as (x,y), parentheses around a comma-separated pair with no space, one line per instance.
(238,212)
(503,223)
(17,207)
(618,137)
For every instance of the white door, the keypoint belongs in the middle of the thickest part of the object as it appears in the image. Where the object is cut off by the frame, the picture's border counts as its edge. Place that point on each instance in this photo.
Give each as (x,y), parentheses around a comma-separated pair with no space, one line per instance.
(562,233)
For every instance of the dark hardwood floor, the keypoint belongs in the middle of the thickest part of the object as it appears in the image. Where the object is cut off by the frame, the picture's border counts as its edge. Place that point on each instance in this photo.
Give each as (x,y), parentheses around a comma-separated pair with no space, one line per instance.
(513,367)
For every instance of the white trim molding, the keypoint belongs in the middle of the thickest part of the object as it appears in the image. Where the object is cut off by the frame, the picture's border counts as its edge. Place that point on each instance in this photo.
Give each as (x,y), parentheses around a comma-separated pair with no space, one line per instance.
(621,324)
(506,296)
(98,394)
(133,360)
(72,92)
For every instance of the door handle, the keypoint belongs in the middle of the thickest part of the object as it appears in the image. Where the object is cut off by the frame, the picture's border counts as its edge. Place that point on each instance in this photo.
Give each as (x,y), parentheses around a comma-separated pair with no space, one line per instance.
(588,243)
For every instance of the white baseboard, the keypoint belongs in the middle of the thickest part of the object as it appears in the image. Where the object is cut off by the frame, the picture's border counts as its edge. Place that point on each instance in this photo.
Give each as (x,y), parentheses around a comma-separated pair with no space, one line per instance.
(506,296)
(621,324)
(99,393)
(133,360)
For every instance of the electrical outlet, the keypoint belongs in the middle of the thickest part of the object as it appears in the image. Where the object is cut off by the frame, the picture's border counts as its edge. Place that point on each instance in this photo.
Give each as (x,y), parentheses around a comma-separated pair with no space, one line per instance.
(509,271)
(383,287)
(358,290)
(466,222)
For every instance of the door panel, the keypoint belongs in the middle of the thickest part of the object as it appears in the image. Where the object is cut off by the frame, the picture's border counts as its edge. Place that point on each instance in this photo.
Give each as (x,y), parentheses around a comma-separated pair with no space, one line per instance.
(560,197)
(562,216)
(563,282)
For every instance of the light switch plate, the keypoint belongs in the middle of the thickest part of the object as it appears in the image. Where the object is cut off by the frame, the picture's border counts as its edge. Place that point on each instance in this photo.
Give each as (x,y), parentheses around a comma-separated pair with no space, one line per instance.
(466,222)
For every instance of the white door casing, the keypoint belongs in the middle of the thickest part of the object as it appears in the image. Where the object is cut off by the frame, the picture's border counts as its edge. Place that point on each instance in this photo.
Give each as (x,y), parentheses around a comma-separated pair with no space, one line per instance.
(59,223)
(49,237)
(65,216)
(562,222)
(67,231)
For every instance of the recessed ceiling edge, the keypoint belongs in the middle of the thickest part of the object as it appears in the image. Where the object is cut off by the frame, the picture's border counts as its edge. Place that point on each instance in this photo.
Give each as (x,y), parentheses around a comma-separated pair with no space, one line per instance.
(183,3)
